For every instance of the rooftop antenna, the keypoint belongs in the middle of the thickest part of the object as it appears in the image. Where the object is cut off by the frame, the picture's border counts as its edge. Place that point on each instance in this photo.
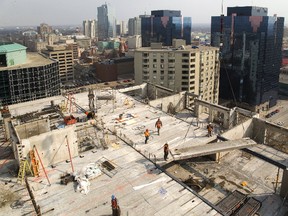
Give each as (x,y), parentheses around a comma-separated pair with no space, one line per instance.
(222,8)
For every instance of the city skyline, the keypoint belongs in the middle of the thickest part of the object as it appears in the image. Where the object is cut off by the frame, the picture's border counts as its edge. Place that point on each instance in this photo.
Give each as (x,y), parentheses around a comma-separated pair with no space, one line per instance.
(31,12)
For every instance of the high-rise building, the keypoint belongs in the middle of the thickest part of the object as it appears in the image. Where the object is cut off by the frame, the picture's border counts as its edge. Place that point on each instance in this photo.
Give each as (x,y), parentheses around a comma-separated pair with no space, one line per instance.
(134,42)
(181,68)
(164,26)
(44,30)
(106,22)
(65,59)
(121,28)
(89,28)
(134,26)
(26,76)
(250,44)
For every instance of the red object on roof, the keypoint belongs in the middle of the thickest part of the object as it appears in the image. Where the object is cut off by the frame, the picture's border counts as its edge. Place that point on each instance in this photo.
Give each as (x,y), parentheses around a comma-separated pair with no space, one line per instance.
(284,61)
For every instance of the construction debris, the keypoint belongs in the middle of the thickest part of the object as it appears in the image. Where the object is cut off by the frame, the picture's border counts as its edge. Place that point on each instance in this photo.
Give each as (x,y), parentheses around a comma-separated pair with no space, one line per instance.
(87,173)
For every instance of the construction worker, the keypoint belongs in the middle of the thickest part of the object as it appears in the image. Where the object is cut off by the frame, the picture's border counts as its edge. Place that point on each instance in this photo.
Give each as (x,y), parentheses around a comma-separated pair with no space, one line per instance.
(146,134)
(166,151)
(158,125)
(209,129)
(115,207)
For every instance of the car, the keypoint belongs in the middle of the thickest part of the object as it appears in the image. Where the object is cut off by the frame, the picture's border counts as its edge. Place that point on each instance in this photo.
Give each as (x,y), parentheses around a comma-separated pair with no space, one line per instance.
(268,115)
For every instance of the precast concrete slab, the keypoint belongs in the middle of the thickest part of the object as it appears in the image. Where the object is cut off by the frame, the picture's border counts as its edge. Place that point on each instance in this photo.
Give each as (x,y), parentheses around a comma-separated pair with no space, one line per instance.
(211,148)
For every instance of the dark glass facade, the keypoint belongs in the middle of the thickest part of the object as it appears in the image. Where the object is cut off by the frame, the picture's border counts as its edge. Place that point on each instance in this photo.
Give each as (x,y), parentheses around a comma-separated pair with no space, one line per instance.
(250,52)
(164,29)
(25,84)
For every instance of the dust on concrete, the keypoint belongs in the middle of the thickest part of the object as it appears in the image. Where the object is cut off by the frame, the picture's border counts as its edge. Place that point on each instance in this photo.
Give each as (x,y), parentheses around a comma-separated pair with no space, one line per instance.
(7,197)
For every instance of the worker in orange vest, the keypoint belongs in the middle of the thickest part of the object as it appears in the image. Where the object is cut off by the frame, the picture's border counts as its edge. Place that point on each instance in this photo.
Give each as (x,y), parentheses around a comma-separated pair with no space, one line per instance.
(158,125)
(146,134)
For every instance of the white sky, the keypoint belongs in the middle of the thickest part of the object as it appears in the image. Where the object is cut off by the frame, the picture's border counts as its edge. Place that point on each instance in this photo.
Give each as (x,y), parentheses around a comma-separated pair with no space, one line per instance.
(60,12)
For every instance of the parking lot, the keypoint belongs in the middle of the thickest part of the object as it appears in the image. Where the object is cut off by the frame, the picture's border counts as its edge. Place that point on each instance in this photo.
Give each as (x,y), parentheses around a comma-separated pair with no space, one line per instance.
(278,114)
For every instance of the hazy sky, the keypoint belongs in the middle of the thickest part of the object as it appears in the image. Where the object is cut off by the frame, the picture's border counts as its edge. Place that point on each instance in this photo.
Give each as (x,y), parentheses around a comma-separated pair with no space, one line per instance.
(59,12)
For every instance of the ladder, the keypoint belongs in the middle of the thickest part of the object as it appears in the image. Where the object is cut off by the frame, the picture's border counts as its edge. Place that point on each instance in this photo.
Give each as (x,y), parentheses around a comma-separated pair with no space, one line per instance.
(23,169)
(34,163)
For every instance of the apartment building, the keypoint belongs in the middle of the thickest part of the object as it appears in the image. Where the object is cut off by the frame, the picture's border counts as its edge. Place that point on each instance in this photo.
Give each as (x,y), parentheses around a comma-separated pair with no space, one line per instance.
(180,68)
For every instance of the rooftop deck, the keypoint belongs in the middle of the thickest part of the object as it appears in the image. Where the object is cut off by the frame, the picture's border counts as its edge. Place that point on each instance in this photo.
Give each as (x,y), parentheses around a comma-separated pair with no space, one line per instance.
(142,187)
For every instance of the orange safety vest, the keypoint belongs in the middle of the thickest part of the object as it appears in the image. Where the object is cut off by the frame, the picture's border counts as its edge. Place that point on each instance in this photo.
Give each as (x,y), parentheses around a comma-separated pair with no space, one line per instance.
(146,133)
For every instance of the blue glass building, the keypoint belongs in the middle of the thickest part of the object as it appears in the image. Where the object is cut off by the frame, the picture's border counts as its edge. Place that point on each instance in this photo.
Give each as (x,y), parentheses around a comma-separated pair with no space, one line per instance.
(164,26)
(250,47)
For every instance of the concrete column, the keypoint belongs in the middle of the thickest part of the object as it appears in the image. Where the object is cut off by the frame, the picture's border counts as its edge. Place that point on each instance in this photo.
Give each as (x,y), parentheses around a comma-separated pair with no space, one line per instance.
(7,120)
(210,114)
(226,120)
(284,185)
(197,109)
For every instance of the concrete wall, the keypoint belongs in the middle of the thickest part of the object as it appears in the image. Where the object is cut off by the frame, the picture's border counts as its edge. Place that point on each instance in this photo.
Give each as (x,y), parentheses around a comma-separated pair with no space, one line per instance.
(16,57)
(34,128)
(259,130)
(177,100)
(243,130)
(140,90)
(261,127)
(52,146)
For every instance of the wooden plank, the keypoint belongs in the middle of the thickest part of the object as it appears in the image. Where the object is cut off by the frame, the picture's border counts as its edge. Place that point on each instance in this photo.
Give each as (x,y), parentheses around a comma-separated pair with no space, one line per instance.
(214,196)
(199,210)
(174,207)
(192,204)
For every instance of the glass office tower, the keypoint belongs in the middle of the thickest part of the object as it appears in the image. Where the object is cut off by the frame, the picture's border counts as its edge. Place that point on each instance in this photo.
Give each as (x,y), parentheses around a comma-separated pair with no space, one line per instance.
(250,47)
(106,22)
(164,26)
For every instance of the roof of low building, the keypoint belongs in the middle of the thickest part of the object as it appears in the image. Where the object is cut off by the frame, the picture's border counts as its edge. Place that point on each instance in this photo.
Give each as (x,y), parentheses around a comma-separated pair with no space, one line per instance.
(5,48)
